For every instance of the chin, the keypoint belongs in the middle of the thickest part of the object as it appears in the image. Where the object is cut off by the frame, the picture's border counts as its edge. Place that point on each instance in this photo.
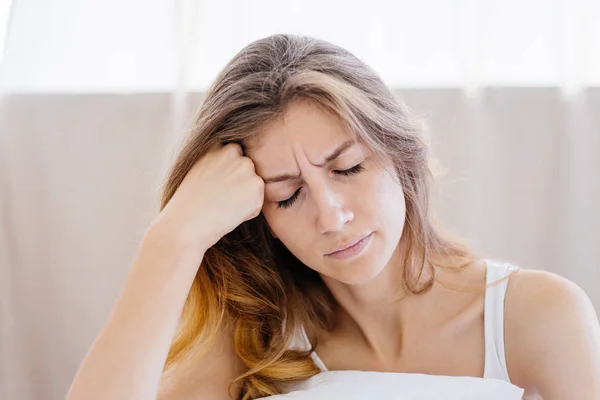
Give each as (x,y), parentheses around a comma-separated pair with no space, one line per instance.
(357,272)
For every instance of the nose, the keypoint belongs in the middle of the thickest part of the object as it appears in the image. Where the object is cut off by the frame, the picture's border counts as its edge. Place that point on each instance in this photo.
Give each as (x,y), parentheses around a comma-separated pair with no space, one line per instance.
(332,213)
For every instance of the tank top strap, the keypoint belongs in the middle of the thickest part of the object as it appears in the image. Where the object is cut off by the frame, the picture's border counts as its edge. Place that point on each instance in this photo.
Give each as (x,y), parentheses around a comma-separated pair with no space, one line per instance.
(497,277)
(301,342)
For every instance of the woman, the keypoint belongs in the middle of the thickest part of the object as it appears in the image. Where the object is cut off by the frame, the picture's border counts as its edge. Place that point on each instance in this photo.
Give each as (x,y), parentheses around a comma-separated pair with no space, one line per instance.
(294,238)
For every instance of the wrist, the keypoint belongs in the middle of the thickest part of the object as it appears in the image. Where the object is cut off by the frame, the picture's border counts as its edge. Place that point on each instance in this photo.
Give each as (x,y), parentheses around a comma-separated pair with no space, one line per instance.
(170,239)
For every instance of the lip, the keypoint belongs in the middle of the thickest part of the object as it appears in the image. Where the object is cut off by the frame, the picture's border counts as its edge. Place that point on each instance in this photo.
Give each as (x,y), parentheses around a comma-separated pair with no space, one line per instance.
(351,248)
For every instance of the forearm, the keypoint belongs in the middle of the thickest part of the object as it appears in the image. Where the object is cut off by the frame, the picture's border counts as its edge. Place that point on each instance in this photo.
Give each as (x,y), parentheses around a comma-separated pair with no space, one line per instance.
(127,357)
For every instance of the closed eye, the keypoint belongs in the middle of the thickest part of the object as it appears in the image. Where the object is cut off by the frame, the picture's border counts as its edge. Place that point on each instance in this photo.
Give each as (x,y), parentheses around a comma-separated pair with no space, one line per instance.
(346,172)
(288,202)
(351,171)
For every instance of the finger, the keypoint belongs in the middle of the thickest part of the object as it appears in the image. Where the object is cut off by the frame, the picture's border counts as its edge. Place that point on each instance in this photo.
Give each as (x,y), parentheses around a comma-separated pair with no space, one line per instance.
(235,146)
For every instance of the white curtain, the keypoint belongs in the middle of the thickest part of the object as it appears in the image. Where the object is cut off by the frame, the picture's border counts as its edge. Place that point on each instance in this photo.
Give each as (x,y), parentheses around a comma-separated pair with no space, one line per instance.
(95,96)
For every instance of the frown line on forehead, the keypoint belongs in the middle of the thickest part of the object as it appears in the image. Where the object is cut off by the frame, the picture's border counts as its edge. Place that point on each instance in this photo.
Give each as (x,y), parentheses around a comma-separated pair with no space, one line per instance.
(339,150)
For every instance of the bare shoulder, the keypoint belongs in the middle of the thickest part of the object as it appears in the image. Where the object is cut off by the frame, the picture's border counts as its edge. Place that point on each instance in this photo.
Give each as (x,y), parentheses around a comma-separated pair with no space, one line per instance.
(207,377)
(552,336)
(536,288)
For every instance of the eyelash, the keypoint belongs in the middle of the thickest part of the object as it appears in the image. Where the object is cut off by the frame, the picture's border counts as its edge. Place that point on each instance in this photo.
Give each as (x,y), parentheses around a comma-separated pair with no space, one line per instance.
(346,172)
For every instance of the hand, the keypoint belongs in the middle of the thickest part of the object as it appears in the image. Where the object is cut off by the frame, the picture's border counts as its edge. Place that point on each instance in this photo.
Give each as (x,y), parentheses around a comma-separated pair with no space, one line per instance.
(220,191)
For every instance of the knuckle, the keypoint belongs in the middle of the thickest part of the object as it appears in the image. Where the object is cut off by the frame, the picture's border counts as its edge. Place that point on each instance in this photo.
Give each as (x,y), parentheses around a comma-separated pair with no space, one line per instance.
(259,183)
(247,163)
(233,148)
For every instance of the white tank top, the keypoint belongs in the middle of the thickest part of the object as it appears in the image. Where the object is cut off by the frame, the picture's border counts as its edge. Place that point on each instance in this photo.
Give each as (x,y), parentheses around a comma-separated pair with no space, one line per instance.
(495,360)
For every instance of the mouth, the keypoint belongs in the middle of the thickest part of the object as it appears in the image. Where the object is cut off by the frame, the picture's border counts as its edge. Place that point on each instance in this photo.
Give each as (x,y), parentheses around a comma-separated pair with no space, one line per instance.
(350,249)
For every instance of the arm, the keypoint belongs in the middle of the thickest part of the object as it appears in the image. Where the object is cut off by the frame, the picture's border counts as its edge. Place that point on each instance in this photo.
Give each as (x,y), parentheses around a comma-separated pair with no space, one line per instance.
(552,337)
(127,358)
(220,191)
(209,376)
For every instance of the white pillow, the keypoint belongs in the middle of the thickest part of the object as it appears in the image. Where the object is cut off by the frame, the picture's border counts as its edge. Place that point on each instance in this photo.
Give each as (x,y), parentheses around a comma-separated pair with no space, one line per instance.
(349,385)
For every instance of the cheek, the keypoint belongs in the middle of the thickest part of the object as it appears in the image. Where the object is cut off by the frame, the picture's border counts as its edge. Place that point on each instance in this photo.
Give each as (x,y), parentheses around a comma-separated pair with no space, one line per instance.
(284,225)
(387,204)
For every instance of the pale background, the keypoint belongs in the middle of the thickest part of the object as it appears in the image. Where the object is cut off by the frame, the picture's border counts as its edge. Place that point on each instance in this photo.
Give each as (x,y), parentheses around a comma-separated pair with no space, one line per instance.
(96,94)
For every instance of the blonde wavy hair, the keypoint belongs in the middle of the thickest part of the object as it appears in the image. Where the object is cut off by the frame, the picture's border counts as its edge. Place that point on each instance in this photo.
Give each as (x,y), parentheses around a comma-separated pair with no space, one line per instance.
(248,280)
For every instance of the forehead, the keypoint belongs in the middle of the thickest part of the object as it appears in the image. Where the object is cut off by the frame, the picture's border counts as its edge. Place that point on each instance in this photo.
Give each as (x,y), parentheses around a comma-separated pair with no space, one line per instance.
(303,126)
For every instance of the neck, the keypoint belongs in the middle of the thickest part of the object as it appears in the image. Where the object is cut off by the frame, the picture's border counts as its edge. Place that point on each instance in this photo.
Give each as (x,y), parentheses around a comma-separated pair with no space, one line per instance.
(379,312)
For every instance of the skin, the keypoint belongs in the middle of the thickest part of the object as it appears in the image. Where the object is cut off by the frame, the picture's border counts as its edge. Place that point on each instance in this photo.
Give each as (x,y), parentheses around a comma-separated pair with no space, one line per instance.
(552,335)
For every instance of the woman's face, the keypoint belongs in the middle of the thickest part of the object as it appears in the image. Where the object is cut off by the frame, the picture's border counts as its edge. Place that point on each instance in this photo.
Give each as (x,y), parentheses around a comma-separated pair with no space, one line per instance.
(324,192)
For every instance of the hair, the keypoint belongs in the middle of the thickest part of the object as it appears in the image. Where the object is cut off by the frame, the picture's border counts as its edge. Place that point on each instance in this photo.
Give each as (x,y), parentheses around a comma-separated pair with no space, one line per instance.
(248,281)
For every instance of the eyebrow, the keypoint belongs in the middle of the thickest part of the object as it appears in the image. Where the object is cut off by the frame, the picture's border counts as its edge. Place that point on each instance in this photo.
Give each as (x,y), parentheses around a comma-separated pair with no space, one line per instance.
(334,154)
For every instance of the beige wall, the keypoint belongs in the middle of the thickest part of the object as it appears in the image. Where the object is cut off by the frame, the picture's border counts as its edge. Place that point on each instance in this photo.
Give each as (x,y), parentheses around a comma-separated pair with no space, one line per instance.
(79,178)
